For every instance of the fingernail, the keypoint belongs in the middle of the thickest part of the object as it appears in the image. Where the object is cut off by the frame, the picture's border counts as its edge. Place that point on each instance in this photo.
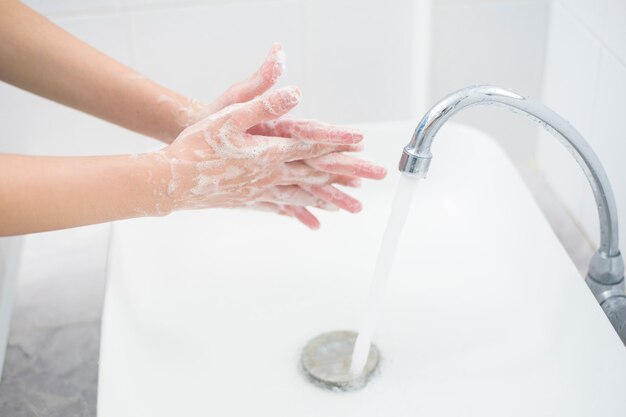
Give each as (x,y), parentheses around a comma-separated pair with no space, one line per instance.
(355,207)
(381,171)
(286,97)
(291,94)
(352,205)
(279,102)
(350,136)
(275,62)
(354,133)
(279,60)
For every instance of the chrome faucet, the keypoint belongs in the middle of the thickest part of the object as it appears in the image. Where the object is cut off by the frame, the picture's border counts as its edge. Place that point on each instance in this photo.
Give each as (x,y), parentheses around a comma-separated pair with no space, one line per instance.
(605,276)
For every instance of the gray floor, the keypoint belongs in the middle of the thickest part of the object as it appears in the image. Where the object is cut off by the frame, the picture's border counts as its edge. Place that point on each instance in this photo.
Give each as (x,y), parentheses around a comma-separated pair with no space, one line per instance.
(52,360)
(51,367)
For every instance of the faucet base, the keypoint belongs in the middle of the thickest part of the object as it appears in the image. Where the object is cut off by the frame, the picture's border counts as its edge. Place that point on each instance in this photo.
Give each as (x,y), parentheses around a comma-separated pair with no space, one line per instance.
(326,361)
(615,309)
(605,279)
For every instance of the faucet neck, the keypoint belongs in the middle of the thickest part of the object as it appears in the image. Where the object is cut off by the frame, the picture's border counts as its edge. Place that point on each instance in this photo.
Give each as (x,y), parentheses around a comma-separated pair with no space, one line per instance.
(417,154)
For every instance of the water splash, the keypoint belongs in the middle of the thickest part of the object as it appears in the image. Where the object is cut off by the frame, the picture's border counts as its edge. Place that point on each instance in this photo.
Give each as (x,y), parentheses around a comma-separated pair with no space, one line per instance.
(386,256)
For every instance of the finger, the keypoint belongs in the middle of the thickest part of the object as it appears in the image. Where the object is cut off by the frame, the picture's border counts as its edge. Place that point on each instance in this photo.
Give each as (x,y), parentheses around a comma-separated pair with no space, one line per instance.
(304,215)
(296,196)
(287,150)
(269,207)
(297,172)
(269,106)
(338,163)
(308,130)
(335,196)
(347,181)
(258,83)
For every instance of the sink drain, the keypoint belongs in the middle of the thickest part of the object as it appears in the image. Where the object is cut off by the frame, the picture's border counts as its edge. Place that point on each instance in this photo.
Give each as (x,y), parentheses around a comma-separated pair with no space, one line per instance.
(326,360)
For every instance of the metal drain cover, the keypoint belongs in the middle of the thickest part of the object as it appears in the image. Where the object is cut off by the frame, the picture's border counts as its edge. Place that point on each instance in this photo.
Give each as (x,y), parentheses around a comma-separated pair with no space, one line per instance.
(326,359)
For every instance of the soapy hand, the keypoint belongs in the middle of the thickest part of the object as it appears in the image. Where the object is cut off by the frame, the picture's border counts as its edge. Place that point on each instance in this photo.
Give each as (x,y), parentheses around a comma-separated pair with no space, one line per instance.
(229,153)
(243,157)
(258,83)
(238,152)
(346,169)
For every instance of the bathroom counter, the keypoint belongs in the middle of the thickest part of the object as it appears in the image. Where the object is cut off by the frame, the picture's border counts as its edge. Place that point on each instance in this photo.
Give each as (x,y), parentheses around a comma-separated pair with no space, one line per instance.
(206,312)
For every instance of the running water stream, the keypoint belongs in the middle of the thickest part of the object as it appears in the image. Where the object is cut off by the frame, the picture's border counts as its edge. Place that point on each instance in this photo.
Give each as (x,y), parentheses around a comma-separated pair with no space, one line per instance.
(386,256)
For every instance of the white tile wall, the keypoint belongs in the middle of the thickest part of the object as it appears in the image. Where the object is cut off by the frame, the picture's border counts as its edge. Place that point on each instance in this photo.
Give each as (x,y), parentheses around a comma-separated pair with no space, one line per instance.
(160,4)
(421,62)
(491,42)
(200,50)
(73,7)
(572,63)
(358,59)
(614,35)
(591,14)
(586,82)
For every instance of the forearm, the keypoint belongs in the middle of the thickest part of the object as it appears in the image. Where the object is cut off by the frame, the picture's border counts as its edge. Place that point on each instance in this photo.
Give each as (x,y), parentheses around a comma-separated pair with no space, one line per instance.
(47,193)
(38,56)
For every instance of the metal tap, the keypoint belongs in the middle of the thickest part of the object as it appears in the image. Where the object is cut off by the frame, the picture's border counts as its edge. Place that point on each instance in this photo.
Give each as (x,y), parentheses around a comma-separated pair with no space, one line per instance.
(605,276)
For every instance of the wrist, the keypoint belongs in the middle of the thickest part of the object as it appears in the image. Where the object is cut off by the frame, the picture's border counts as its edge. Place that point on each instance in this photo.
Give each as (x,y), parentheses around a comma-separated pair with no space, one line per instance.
(154,175)
(179,113)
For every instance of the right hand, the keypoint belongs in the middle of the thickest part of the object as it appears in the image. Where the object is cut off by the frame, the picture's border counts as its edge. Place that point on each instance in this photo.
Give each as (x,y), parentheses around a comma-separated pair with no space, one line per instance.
(217,163)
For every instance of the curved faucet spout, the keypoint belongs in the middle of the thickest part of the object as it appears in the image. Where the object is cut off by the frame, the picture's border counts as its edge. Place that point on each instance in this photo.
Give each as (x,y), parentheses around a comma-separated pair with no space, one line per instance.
(417,155)
(606,270)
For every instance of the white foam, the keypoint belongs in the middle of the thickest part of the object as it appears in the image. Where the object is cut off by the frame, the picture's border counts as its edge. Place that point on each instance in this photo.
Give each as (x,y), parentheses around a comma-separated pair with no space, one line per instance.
(205,185)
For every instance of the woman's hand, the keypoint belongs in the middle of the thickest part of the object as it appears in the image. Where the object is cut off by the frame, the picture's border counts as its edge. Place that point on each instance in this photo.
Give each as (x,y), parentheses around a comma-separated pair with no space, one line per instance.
(225,154)
(258,83)
(242,157)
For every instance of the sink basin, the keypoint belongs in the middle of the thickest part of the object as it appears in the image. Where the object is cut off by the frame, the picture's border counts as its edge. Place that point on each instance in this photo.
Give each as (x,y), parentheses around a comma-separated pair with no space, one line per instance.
(206,312)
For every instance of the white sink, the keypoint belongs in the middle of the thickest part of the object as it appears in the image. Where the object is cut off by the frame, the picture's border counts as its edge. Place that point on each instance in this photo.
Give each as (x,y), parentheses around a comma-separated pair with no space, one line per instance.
(206,312)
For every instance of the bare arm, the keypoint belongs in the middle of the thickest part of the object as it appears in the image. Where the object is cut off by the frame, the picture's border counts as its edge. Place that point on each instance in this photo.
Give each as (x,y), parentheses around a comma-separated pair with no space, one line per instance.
(46,193)
(40,57)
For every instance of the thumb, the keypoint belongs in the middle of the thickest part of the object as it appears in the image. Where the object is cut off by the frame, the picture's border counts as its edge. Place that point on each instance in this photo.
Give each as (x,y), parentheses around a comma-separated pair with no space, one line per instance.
(269,106)
(262,80)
